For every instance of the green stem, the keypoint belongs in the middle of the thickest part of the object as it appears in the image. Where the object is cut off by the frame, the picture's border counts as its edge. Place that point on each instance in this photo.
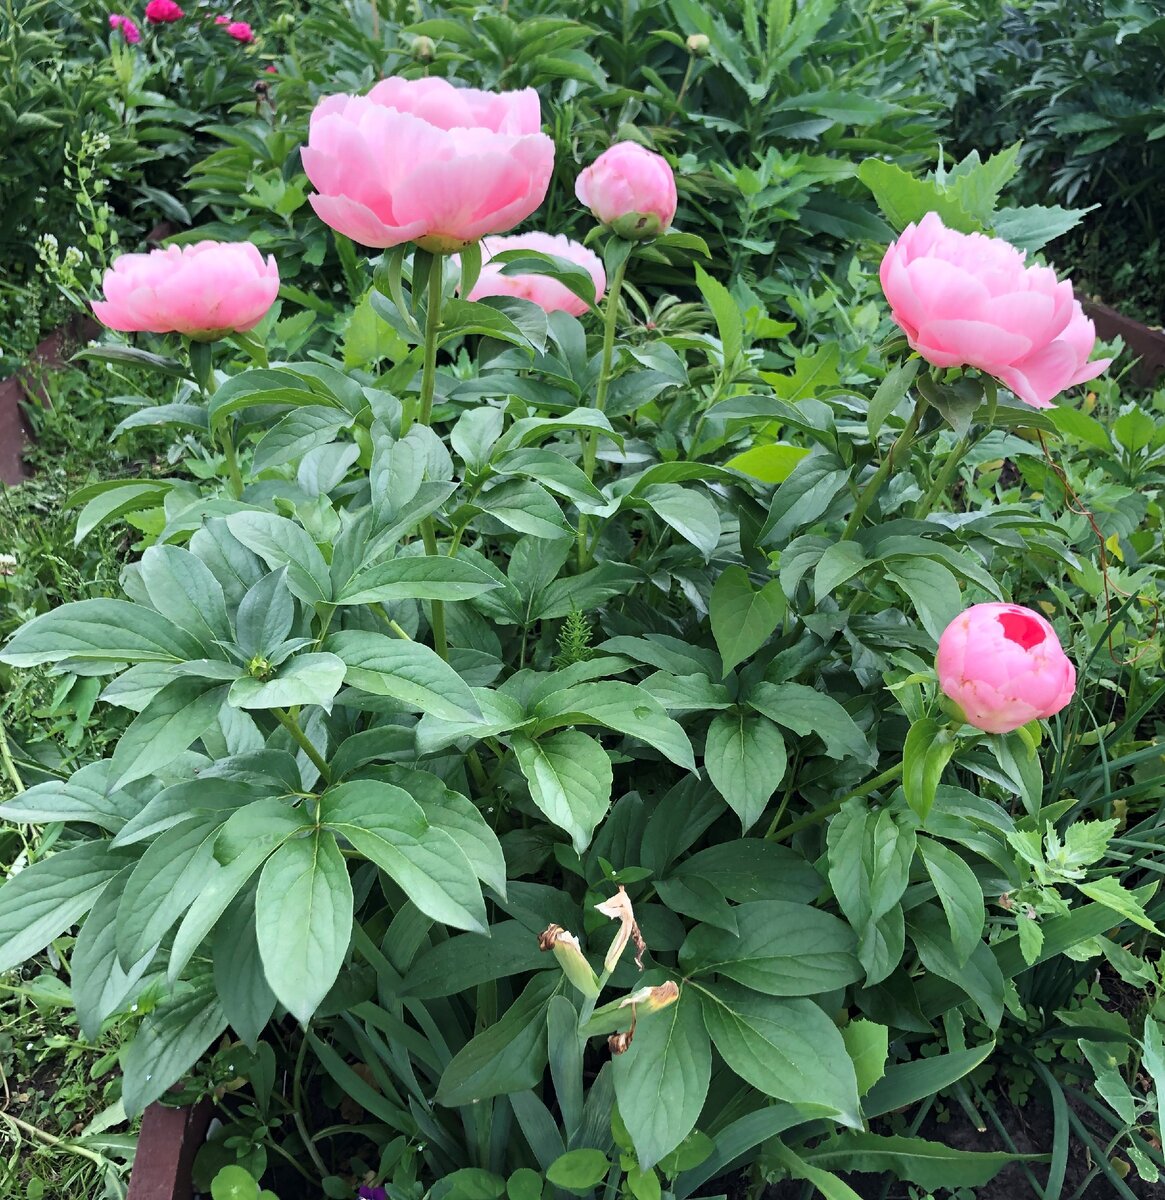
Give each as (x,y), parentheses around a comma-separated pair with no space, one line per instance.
(9,766)
(591,437)
(292,726)
(50,1140)
(942,480)
(428,390)
(827,810)
(297,1109)
(234,475)
(879,477)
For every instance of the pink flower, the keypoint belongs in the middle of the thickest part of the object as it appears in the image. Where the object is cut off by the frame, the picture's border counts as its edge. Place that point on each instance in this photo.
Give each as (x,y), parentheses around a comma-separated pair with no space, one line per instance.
(241,31)
(543,290)
(630,189)
(161,12)
(129,30)
(1004,666)
(204,290)
(271,69)
(422,161)
(222,19)
(968,300)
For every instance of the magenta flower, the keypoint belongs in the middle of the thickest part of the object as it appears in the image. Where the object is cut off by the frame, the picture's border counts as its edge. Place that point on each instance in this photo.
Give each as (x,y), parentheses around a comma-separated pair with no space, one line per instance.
(372,1193)
(222,19)
(969,300)
(1003,665)
(631,189)
(422,161)
(241,31)
(204,290)
(163,12)
(128,28)
(543,290)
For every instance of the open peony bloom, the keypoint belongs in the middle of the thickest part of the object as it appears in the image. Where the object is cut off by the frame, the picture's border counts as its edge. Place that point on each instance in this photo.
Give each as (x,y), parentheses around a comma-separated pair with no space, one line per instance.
(204,290)
(422,161)
(241,31)
(968,300)
(1003,665)
(630,189)
(129,29)
(162,12)
(543,290)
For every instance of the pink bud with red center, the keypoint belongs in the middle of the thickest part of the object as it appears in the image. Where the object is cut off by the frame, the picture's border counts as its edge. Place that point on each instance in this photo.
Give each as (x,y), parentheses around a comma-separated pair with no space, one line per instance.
(163,12)
(128,28)
(969,300)
(241,31)
(631,189)
(205,290)
(1003,665)
(543,290)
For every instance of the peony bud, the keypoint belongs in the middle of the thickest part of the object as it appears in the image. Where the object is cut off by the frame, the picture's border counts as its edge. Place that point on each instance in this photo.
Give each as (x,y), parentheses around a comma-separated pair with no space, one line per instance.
(1003,666)
(423,49)
(699,44)
(570,958)
(629,189)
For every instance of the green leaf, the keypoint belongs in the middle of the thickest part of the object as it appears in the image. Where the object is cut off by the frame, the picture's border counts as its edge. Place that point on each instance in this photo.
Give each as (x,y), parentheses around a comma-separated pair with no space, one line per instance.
(282,543)
(169,1042)
(908,1082)
(928,1164)
(806,711)
(745,758)
(300,431)
(1109,892)
(165,882)
(743,619)
(1080,427)
(781,949)
(243,991)
(416,579)
(867,1044)
(234,1183)
(304,679)
(932,588)
(389,828)
(869,857)
(840,562)
(661,1080)
(811,373)
(769,464)
(570,777)
(803,498)
(928,748)
(785,1048)
(903,198)
(303,920)
(177,716)
(184,590)
(508,1056)
(120,497)
(1031,228)
(467,959)
(39,903)
(619,706)
(84,797)
(100,631)
(406,671)
(980,976)
(890,393)
(828,1184)
(1153,1060)
(689,512)
(959,893)
(523,505)
(725,311)
(578,1170)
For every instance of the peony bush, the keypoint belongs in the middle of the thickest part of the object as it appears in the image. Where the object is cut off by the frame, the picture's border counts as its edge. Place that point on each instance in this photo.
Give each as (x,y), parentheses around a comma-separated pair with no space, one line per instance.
(612,742)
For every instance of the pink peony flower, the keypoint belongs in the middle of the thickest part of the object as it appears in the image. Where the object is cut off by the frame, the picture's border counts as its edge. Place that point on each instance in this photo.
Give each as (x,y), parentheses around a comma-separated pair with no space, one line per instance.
(968,300)
(162,12)
(222,19)
(204,290)
(129,29)
(241,31)
(422,161)
(543,290)
(271,69)
(630,189)
(1004,666)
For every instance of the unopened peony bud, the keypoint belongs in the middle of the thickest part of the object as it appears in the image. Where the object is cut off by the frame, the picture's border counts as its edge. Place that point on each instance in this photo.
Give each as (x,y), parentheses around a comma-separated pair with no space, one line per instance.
(650,1000)
(699,44)
(570,958)
(629,189)
(423,49)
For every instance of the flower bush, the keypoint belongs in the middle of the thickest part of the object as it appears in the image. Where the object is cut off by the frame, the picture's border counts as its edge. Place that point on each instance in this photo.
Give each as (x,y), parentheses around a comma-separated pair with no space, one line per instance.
(533,727)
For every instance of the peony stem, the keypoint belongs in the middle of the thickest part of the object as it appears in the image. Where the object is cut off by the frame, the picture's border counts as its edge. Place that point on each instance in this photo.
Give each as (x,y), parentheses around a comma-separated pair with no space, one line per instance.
(202,364)
(234,475)
(301,739)
(874,486)
(943,479)
(428,390)
(827,810)
(591,437)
